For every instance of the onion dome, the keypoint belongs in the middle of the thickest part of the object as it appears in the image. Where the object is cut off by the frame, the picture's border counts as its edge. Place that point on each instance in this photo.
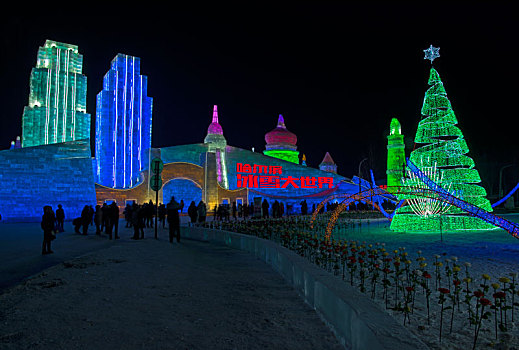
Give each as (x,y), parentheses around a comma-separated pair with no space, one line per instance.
(281,143)
(280,136)
(328,164)
(215,137)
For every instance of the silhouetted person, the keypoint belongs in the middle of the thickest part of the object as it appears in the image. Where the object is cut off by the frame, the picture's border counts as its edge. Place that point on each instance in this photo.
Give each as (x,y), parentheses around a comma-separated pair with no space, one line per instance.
(275,209)
(91,214)
(202,211)
(265,207)
(281,209)
(304,207)
(162,215)
(105,223)
(150,212)
(77,225)
(192,211)
(245,210)
(181,205)
(98,219)
(173,219)
(85,219)
(137,221)
(215,210)
(234,210)
(128,215)
(47,224)
(114,220)
(60,218)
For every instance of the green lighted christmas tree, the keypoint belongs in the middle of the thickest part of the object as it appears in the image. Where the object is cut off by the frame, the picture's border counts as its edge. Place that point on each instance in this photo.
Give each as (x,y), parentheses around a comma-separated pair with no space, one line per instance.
(440,153)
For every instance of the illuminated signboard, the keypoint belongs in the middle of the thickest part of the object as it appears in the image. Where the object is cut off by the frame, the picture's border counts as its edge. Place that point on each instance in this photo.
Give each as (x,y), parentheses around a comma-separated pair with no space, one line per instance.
(269,176)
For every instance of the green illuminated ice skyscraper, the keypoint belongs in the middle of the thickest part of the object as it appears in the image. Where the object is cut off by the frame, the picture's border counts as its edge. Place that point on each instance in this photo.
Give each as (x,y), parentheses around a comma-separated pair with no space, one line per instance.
(57,98)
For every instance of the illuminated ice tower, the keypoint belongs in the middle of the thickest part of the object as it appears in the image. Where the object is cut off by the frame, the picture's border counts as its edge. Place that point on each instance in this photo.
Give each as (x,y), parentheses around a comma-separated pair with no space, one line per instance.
(395,155)
(217,144)
(123,124)
(281,143)
(57,98)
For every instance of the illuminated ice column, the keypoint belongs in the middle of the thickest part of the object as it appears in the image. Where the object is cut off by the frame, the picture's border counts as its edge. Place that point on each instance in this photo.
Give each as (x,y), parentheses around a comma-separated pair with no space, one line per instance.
(57,98)
(217,143)
(123,124)
(395,155)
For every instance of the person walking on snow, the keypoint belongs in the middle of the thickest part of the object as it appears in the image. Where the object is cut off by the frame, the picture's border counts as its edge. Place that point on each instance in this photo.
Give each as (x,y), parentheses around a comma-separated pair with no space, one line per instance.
(173,219)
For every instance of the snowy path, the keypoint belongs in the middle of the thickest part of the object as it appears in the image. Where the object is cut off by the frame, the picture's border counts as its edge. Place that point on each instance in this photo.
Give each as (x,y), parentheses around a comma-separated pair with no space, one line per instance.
(152,295)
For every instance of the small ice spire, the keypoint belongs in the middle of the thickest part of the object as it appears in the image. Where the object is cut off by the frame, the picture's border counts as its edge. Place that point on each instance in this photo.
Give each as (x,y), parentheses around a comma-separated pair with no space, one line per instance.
(281,122)
(215,114)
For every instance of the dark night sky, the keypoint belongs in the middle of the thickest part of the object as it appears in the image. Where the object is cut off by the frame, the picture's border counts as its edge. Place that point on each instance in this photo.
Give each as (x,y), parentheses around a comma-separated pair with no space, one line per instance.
(337,73)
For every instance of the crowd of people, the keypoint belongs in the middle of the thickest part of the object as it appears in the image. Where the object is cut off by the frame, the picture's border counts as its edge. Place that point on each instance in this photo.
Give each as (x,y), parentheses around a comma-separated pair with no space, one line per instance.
(141,216)
(105,218)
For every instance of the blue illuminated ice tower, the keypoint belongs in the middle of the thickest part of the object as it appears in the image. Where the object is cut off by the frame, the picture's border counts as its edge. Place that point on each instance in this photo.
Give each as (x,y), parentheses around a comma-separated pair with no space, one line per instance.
(123,124)
(57,99)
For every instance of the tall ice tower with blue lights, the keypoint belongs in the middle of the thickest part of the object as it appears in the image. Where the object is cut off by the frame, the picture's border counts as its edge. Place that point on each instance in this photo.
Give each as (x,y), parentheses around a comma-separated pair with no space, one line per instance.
(57,99)
(123,124)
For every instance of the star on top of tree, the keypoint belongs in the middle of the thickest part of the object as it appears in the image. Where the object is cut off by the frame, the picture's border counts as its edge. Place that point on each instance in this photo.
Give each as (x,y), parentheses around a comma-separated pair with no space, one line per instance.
(431,53)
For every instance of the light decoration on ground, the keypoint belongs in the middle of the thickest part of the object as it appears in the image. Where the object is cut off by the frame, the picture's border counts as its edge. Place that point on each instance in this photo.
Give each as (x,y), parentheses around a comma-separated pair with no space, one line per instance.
(123,124)
(426,206)
(57,100)
(439,142)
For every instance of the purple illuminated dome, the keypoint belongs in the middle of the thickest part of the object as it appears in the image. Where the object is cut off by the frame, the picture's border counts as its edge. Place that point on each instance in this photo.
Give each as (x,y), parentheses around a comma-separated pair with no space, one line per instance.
(280,135)
(215,128)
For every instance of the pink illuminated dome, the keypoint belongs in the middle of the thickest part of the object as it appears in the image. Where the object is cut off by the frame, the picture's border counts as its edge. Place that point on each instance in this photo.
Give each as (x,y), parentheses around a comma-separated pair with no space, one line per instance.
(280,135)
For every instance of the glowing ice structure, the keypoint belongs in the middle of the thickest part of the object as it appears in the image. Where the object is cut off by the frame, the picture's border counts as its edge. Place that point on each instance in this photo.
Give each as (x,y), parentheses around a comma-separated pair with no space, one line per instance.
(395,154)
(57,99)
(217,144)
(281,143)
(123,124)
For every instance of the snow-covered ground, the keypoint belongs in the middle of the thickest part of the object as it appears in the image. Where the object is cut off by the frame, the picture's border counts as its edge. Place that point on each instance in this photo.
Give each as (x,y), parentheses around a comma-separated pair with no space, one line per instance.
(475,253)
(495,253)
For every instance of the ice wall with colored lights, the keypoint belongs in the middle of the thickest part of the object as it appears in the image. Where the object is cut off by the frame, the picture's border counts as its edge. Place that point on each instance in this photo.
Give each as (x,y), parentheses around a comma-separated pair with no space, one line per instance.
(32,177)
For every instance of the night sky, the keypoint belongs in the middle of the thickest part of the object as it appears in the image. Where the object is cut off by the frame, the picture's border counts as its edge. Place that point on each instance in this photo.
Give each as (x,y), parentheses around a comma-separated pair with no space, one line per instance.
(337,73)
